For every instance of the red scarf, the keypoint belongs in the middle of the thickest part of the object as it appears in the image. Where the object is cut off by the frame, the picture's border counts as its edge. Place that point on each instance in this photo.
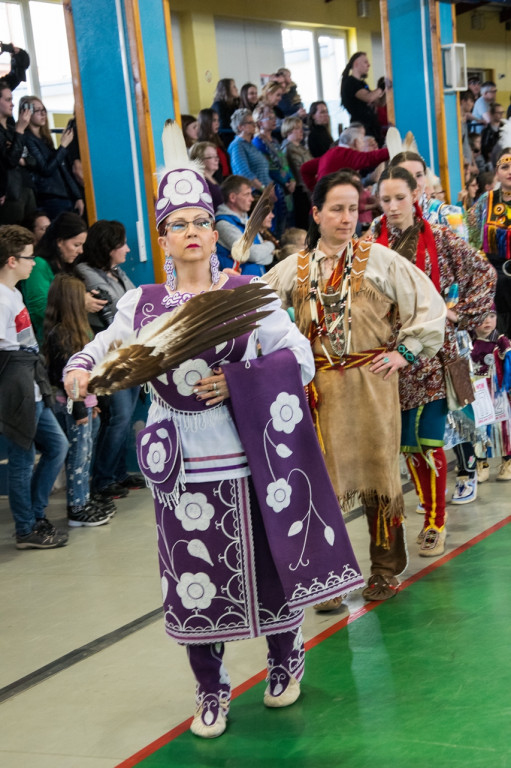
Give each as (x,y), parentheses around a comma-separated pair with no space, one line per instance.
(426,243)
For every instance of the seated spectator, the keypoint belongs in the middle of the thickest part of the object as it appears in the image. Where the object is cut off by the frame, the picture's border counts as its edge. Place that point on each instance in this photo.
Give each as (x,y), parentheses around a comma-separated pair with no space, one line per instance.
(205,152)
(280,172)
(37,223)
(66,331)
(190,128)
(491,133)
(17,200)
(20,62)
(55,187)
(231,220)
(474,139)
(56,252)
(347,155)
(290,103)
(482,106)
(271,93)
(319,138)
(249,96)
(103,252)
(225,103)
(208,131)
(297,154)
(469,194)
(292,241)
(246,159)
(26,417)
(466,107)
(486,182)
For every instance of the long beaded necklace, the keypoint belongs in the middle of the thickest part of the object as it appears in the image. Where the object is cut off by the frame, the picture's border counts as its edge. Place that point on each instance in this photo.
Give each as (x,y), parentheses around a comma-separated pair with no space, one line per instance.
(328,309)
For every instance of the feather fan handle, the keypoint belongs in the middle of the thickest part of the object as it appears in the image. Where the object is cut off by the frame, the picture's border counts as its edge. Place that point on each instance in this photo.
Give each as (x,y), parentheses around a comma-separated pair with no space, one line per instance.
(175,154)
(240,250)
(166,342)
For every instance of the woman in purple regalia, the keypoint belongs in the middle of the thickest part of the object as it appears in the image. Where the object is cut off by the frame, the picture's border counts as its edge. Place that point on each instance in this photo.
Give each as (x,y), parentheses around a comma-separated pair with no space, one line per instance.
(248,526)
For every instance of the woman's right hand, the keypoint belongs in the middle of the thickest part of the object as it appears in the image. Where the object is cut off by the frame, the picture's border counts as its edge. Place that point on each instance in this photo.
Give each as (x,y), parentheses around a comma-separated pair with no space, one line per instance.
(92,303)
(67,137)
(76,383)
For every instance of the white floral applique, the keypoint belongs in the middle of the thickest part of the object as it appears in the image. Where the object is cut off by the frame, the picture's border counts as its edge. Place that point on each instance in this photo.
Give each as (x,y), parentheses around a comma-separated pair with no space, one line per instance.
(196,590)
(278,495)
(286,412)
(194,512)
(182,187)
(156,457)
(188,374)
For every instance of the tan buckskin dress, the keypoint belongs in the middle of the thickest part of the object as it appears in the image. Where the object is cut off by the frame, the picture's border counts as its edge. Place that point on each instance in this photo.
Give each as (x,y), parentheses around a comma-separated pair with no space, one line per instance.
(359,412)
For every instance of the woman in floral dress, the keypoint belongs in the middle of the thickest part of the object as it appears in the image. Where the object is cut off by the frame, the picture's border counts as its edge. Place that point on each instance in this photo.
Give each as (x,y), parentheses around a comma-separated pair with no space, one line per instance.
(248,530)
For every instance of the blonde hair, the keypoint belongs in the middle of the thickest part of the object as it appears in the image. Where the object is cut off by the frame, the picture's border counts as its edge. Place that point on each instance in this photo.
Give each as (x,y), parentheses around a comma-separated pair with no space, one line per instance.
(288,125)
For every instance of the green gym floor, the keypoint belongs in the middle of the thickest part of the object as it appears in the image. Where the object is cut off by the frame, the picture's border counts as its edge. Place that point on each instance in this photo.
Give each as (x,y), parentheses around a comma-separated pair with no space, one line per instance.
(89,679)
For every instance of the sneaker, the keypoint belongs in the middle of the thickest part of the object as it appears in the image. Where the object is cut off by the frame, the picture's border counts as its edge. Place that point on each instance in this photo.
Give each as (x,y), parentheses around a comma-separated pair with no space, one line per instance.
(43,536)
(419,509)
(133,482)
(88,516)
(288,696)
(483,471)
(466,490)
(105,503)
(113,491)
(504,470)
(433,543)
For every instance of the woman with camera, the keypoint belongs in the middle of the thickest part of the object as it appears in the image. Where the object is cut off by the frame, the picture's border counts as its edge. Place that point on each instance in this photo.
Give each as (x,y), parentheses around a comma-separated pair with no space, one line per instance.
(56,189)
(99,267)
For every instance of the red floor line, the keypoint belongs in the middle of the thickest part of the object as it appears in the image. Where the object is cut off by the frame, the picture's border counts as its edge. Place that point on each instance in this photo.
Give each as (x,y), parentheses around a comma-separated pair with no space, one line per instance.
(316,640)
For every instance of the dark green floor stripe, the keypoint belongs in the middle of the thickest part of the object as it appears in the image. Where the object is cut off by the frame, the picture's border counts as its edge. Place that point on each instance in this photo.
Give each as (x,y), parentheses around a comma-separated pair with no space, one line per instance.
(422,681)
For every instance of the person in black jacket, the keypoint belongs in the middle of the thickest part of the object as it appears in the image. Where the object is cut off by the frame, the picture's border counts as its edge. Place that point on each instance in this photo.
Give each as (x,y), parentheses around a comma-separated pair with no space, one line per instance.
(26,417)
(357,98)
(20,62)
(17,200)
(56,188)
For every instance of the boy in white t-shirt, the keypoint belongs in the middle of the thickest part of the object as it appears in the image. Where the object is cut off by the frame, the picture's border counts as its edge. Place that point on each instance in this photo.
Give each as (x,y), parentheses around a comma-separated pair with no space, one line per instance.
(26,417)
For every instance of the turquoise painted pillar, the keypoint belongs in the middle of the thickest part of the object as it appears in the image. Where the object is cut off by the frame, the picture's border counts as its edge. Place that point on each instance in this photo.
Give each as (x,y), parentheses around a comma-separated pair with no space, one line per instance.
(125,93)
(416,30)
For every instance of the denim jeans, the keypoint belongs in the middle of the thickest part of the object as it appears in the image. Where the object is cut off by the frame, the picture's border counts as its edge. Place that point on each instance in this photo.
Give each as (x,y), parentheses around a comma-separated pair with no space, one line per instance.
(29,489)
(110,459)
(78,458)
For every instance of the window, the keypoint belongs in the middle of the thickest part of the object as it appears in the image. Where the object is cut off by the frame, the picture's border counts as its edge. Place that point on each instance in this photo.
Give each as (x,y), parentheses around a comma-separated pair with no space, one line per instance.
(316,62)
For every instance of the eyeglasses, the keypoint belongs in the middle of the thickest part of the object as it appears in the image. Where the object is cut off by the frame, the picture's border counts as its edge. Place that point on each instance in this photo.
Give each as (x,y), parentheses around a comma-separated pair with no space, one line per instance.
(210,157)
(43,110)
(249,122)
(180,226)
(26,258)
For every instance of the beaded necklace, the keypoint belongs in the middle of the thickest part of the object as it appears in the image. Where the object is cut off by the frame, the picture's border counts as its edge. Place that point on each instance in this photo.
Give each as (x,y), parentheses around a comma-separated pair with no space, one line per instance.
(328,309)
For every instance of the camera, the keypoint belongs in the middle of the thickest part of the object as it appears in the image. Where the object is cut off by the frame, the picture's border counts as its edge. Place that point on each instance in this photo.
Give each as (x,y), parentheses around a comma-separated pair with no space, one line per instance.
(28,108)
(6,48)
(71,124)
(106,313)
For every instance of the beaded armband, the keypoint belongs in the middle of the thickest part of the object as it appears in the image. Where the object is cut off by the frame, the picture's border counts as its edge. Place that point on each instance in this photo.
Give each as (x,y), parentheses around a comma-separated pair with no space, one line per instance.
(408,356)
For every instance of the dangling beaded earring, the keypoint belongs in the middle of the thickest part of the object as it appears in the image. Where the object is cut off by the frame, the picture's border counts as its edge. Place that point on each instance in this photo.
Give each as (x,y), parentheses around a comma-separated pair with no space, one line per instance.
(213,265)
(171,272)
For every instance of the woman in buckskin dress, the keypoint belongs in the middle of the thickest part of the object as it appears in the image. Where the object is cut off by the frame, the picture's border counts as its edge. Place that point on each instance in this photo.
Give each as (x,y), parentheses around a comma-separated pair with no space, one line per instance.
(345,299)
(248,529)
